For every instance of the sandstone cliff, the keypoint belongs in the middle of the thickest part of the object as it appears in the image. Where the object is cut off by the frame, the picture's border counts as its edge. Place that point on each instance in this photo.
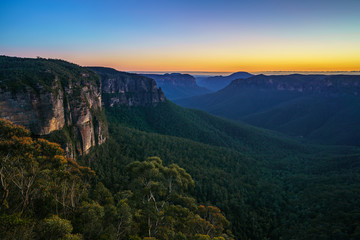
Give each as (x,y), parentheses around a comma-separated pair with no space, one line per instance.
(54,99)
(121,88)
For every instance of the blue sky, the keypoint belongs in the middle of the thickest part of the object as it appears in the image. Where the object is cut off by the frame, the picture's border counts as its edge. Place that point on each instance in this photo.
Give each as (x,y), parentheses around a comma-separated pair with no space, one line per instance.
(186,35)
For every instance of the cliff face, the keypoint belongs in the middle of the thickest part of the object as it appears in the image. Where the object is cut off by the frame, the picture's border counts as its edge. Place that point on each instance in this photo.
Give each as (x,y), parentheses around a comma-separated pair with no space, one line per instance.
(55,98)
(120,88)
(42,111)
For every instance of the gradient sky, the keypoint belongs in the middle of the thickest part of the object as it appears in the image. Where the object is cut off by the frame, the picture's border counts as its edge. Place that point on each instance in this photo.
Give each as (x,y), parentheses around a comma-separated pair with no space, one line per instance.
(186,35)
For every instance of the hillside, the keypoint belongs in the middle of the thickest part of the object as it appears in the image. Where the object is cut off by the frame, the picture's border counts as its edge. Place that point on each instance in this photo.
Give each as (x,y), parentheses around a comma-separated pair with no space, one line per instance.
(324,109)
(170,119)
(177,85)
(265,183)
(216,83)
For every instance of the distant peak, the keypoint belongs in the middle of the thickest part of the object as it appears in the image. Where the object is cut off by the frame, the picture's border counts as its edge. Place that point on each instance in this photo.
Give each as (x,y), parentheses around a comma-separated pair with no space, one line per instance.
(245,74)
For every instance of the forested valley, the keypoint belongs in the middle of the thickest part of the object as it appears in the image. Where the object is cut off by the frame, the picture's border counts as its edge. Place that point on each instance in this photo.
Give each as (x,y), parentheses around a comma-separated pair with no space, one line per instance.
(269,186)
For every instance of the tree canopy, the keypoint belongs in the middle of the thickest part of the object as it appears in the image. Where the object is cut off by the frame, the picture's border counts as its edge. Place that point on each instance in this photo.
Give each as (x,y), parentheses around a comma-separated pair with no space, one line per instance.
(45,195)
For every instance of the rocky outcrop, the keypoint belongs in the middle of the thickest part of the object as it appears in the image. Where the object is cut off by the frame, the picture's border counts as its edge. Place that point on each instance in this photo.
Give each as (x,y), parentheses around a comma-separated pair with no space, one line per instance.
(126,89)
(52,97)
(84,110)
(42,111)
(177,85)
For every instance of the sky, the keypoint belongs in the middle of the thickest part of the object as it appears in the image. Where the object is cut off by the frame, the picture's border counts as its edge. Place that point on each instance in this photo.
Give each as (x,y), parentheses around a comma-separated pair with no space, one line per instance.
(186,35)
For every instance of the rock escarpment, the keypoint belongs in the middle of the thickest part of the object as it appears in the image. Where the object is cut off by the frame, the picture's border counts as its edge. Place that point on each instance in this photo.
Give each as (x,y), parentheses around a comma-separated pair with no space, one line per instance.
(314,84)
(177,85)
(126,89)
(53,99)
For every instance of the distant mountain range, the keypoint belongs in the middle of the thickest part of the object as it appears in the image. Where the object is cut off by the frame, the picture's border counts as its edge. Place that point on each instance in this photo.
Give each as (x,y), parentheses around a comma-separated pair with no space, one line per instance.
(216,83)
(177,85)
(324,109)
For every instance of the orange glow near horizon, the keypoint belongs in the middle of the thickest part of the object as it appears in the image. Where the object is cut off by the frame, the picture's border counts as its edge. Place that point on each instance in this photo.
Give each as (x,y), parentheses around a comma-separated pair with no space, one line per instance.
(213,60)
(254,55)
(224,65)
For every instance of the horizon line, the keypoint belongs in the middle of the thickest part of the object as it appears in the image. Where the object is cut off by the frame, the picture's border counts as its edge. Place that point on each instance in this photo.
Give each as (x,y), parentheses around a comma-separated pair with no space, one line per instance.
(252,72)
(193,72)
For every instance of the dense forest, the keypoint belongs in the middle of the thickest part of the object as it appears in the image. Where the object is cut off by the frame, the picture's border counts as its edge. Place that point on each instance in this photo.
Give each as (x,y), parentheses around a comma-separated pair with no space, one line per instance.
(269,186)
(45,195)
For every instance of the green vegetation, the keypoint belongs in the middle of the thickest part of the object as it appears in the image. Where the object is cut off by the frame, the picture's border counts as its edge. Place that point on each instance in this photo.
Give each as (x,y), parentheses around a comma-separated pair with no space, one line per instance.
(268,186)
(18,73)
(40,188)
(45,195)
(172,120)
